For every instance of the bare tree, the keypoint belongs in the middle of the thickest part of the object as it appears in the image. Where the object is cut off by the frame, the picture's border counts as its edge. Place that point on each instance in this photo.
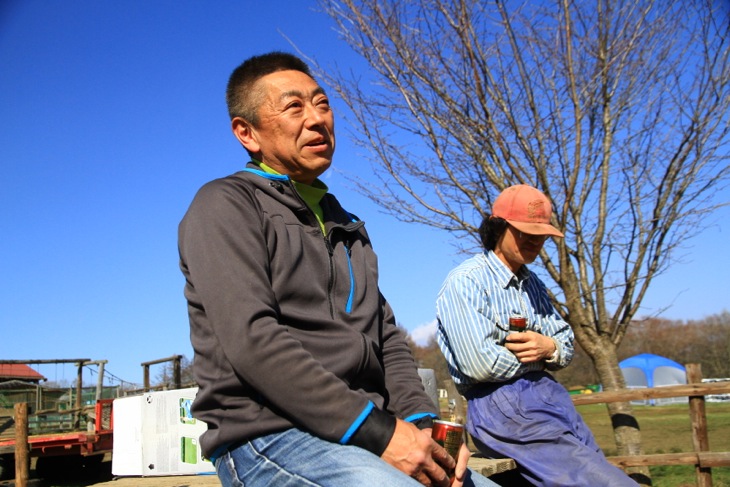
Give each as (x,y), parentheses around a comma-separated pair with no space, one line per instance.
(616,109)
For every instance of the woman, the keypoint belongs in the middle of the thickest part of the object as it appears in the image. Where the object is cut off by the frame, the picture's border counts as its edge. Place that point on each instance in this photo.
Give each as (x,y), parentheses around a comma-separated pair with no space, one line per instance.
(515,407)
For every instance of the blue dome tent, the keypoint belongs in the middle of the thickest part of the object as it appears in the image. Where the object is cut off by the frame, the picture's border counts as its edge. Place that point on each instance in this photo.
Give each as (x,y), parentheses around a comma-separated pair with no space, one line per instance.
(648,370)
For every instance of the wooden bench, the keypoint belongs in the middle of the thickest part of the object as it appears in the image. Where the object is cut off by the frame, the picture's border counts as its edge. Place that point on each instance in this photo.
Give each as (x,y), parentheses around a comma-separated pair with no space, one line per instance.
(491,466)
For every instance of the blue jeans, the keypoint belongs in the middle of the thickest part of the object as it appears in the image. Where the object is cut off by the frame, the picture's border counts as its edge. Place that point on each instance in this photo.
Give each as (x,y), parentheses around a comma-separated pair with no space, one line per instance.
(296,458)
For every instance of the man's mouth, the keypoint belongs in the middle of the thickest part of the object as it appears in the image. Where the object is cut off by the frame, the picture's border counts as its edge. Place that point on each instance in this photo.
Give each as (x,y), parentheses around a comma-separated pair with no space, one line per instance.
(320,144)
(315,143)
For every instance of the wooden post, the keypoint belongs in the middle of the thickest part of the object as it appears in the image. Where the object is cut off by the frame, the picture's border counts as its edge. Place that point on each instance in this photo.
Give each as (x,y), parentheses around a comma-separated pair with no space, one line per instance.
(79,393)
(177,371)
(146,376)
(100,379)
(698,419)
(21,445)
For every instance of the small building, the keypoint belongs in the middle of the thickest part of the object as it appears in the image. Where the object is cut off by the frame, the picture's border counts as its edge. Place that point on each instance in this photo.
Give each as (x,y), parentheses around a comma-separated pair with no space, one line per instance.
(19,372)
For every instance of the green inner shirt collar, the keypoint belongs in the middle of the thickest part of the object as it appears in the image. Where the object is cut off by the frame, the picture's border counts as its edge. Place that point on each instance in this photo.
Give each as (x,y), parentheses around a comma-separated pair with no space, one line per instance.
(311,194)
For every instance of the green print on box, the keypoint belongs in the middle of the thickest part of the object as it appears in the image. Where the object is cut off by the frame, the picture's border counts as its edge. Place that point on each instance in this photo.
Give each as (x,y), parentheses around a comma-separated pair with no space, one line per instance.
(189,450)
(186,416)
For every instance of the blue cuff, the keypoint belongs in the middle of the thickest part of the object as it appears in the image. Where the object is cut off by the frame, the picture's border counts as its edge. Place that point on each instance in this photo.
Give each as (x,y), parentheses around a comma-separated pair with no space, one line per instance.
(357,423)
(415,417)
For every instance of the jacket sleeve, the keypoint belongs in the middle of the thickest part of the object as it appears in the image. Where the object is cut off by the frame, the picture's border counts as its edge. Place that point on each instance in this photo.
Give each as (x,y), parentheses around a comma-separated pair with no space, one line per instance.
(224,257)
(408,398)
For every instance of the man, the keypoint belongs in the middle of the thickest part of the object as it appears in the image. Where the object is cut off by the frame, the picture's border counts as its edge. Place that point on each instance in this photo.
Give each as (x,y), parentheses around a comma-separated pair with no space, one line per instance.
(515,408)
(304,377)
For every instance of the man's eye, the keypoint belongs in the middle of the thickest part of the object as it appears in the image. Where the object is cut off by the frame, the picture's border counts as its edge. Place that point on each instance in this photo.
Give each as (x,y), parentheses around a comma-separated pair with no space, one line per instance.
(322,102)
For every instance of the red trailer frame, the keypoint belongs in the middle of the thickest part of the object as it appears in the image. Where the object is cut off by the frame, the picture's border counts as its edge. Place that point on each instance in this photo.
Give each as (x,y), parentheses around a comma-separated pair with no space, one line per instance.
(75,442)
(73,445)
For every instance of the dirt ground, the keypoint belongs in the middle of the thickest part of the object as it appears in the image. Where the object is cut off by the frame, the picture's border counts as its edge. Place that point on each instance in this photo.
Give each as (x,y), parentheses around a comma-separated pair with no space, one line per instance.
(208,480)
(177,481)
(106,479)
(485,466)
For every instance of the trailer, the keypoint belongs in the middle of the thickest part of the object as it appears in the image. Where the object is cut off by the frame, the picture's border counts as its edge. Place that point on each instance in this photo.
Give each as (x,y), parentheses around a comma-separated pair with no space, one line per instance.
(69,429)
(77,449)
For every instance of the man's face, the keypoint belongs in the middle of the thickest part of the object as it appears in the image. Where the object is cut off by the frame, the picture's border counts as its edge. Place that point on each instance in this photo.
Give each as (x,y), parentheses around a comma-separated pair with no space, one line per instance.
(516,248)
(295,134)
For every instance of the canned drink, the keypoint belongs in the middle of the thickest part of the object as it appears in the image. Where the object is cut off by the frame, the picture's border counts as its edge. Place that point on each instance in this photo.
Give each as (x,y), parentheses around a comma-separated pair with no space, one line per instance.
(517,322)
(449,435)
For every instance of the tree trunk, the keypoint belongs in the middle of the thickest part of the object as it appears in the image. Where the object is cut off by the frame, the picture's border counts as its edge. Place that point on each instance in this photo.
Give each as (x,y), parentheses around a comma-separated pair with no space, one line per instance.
(627,434)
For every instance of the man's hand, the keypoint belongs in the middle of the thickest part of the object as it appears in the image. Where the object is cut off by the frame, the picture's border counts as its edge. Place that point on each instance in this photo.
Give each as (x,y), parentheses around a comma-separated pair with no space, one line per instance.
(461,465)
(458,474)
(529,346)
(413,452)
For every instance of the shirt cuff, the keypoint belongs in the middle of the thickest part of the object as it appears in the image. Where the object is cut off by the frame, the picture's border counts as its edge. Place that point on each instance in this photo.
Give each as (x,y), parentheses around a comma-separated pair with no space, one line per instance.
(375,432)
(555,357)
(424,422)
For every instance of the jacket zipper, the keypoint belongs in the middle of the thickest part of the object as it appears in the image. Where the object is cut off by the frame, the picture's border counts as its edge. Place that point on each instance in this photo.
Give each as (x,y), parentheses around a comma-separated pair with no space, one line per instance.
(330,283)
(351,295)
(331,253)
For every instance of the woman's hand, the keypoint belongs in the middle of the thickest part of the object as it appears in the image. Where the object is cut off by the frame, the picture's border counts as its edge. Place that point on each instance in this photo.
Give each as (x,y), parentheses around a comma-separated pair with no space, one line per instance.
(529,346)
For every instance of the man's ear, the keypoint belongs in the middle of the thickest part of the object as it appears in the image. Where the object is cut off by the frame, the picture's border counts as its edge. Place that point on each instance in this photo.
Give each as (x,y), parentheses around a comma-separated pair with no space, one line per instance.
(245,134)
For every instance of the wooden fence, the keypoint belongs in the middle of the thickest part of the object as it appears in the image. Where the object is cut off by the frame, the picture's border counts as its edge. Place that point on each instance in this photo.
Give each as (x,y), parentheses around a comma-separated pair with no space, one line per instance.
(702,459)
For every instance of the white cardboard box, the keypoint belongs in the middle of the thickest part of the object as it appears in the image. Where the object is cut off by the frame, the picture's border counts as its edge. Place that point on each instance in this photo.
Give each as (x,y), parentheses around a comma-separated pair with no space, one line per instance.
(155,434)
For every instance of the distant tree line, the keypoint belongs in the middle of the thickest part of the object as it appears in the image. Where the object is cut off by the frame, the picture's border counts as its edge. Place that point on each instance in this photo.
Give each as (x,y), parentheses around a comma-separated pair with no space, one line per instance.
(705,342)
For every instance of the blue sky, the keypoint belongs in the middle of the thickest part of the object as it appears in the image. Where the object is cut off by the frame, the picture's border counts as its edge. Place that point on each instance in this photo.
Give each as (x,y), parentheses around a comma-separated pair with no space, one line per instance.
(112,115)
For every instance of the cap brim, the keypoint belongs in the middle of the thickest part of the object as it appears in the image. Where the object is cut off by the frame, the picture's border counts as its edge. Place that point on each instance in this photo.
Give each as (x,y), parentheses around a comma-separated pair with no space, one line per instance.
(536,228)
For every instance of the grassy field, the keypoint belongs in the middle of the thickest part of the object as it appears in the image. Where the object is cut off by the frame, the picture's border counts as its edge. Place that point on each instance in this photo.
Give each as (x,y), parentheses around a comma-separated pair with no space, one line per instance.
(667,429)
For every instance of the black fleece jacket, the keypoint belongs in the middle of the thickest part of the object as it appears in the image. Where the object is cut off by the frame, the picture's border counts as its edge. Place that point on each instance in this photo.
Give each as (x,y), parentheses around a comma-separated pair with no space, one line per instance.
(288,326)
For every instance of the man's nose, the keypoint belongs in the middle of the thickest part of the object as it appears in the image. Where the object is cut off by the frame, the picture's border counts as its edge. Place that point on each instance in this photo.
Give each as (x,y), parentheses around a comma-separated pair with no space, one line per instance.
(314,115)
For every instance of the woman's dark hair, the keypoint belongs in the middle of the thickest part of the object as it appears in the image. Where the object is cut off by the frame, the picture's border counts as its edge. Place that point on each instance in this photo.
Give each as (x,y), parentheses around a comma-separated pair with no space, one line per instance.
(490,230)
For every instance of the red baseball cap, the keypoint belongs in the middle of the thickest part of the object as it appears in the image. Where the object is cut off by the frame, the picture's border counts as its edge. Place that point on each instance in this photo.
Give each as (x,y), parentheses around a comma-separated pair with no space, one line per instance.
(527,209)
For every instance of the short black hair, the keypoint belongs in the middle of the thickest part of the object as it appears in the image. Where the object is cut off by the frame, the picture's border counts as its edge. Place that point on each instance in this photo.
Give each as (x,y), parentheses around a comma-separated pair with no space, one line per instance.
(490,231)
(242,100)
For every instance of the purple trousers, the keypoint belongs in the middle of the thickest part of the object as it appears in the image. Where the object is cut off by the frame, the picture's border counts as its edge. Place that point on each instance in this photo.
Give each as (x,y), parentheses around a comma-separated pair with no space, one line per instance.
(532,419)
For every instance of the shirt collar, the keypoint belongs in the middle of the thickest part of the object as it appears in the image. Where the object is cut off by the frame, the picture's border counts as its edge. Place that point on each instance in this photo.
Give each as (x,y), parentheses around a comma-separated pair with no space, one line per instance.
(504,274)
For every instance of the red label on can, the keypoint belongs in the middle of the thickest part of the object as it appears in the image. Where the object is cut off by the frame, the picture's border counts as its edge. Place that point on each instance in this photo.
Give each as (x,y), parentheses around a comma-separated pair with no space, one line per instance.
(517,323)
(449,435)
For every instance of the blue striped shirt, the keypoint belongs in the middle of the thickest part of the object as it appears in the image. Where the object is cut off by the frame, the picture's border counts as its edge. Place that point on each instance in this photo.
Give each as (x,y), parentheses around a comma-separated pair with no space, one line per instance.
(473,309)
